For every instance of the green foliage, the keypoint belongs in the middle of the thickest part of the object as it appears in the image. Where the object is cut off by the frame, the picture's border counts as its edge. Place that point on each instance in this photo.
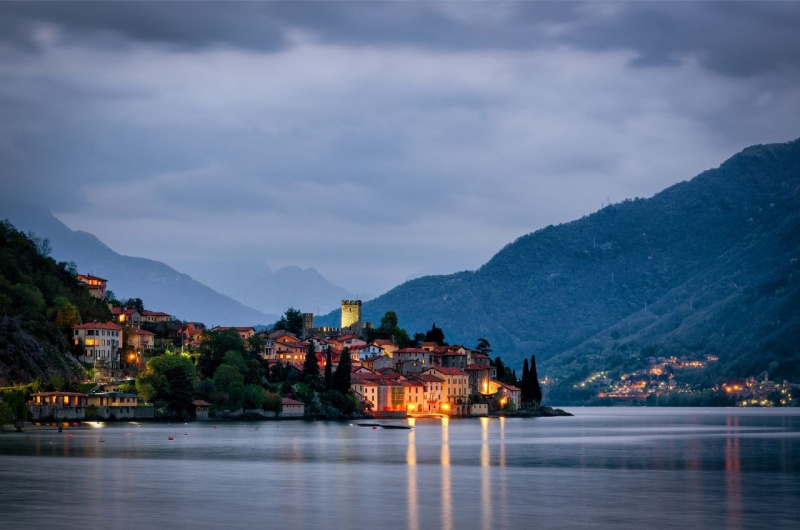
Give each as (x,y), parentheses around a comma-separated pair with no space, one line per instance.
(39,301)
(291,321)
(483,347)
(390,330)
(13,409)
(273,402)
(706,266)
(341,379)
(435,335)
(173,380)
(254,397)
(310,364)
(211,352)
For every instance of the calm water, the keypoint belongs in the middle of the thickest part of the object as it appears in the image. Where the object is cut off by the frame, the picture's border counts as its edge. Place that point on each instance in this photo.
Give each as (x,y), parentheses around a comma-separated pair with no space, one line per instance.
(605,468)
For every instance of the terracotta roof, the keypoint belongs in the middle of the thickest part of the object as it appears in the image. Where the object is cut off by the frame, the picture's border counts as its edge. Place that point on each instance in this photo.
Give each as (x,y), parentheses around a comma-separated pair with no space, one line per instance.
(449,371)
(121,310)
(58,394)
(201,403)
(475,366)
(90,277)
(287,401)
(143,332)
(98,325)
(509,387)
(412,350)
(430,378)
(154,314)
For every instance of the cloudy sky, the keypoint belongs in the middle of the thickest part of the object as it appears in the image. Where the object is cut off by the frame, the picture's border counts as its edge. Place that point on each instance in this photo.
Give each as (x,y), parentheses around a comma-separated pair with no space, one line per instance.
(374,141)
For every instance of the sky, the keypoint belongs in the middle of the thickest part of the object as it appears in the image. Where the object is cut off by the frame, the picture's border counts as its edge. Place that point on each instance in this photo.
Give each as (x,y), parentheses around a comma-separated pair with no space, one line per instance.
(374,141)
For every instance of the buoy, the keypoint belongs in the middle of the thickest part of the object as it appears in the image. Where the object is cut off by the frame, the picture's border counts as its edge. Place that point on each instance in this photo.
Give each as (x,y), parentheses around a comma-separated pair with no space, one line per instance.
(186,434)
(170,438)
(69,436)
(374,427)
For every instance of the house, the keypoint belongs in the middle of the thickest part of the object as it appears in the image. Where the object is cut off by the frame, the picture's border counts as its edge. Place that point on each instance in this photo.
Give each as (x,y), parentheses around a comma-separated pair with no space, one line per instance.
(386,345)
(378,363)
(114,405)
(433,392)
(201,409)
(245,332)
(95,284)
(155,316)
(508,395)
(140,340)
(368,350)
(414,397)
(57,406)
(292,409)
(101,342)
(479,377)
(129,316)
(455,390)
(423,357)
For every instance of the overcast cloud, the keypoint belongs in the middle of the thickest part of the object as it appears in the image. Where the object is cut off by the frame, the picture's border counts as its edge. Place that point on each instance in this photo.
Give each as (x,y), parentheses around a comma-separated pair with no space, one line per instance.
(374,140)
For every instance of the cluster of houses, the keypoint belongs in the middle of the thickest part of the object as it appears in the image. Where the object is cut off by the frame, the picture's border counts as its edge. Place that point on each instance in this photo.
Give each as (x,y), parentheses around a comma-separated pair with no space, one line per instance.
(431,379)
(386,379)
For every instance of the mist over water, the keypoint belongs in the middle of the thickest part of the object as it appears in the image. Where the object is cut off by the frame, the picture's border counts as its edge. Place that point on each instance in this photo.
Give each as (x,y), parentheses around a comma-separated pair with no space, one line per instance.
(622,468)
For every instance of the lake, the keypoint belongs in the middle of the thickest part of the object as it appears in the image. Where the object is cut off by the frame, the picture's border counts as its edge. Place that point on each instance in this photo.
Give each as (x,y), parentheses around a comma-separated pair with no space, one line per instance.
(603,468)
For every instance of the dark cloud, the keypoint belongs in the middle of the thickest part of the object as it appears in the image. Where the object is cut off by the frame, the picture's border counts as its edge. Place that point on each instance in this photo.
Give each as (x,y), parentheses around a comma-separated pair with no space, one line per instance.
(734,38)
(428,134)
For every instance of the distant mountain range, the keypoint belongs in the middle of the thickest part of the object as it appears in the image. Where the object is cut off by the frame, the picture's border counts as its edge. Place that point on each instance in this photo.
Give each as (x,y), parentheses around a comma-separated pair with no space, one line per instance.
(275,291)
(711,265)
(161,287)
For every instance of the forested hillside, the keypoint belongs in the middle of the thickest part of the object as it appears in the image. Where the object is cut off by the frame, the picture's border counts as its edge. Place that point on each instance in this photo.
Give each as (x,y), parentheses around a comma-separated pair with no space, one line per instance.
(39,302)
(706,266)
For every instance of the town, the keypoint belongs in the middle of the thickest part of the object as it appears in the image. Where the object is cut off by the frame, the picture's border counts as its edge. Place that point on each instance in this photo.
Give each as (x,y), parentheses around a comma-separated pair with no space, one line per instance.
(137,361)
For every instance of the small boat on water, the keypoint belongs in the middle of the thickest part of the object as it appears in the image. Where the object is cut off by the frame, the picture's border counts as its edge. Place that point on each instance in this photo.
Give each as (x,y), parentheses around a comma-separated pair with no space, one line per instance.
(385,425)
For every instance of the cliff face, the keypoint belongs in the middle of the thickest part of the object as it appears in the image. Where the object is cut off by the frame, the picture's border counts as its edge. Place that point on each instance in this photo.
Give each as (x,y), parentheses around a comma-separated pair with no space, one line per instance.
(711,265)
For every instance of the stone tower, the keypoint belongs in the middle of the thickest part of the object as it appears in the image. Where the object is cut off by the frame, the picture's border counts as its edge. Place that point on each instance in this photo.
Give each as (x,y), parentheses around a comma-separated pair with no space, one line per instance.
(351,313)
(308,324)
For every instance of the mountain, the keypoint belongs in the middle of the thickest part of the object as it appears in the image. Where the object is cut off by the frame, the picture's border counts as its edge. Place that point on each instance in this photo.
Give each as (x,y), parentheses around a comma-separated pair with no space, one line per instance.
(711,265)
(39,302)
(275,291)
(160,287)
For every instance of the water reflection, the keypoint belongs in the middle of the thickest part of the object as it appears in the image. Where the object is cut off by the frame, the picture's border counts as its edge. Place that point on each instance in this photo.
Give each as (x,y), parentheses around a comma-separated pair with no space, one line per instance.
(486,483)
(411,461)
(733,476)
(447,493)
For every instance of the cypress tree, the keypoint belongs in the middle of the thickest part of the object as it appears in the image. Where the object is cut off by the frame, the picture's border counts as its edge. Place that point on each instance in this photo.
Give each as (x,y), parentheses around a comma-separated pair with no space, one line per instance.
(534,377)
(310,365)
(341,379)
(525,386)
(328,369)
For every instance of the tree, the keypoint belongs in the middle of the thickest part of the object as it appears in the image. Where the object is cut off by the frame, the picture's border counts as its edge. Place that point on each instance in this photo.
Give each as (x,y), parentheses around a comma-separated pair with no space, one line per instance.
(328,369)
(291,321)
(435,335)
(483,347)
(134,303)
(254,397)
(278,373)
(311,364)
(179,374)
(341,379)
(67,313)
(390,330)
(13,409)
(536,394)
(526,383)
(212,350)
